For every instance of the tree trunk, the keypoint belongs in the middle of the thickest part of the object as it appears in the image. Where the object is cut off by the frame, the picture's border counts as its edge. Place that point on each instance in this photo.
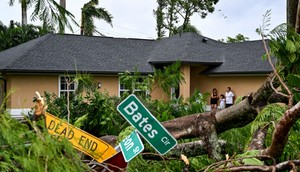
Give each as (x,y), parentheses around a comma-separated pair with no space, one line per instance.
(62,3)
(293,14)
(62,27)
(24,12)
(291,11)
(297,25)
(82,23)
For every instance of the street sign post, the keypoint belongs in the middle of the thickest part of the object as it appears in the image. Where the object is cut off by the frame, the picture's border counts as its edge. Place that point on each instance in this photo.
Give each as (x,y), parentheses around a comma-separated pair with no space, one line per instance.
(146,124)
(81,140)
(131,146)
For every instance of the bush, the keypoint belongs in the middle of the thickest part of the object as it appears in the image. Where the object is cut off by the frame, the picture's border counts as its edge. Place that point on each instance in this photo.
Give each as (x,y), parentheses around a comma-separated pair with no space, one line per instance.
(23,149)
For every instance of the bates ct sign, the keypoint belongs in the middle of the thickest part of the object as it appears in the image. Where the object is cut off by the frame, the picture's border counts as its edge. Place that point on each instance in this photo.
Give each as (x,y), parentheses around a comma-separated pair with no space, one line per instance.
(146,124)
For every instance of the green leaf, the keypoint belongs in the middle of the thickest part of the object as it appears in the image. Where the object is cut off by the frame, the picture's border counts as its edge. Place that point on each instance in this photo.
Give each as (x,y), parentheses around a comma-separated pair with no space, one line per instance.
(292,57)
(264,57)
(250,153)
(293,80)
(290,46)
(79,122)
(252,161)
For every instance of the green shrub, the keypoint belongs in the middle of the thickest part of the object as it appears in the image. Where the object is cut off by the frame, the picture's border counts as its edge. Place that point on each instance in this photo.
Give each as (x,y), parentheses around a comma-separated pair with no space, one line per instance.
(24,149)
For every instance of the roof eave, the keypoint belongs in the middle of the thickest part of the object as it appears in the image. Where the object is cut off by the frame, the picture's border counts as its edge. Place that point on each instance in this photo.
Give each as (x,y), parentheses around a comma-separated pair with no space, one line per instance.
(237,73)
(67,71)
(186,62)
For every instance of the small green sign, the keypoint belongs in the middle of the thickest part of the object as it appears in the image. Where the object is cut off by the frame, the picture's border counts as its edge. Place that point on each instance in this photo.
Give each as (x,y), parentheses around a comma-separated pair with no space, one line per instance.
(146,124)
(131,146)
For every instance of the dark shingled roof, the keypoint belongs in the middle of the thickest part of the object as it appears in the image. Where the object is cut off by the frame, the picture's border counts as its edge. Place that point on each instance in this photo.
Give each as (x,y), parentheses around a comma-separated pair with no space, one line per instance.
(61,53)
(243,58)
(70,53)
(188,48)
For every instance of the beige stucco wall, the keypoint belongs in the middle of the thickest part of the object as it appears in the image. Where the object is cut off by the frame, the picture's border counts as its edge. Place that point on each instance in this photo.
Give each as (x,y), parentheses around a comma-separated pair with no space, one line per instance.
(185,88)
(23,88)
(158,93)
(109,84)
(241,85)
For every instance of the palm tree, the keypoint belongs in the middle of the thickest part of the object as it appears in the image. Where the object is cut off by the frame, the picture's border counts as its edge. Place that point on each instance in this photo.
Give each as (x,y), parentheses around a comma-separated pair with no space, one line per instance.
(88,12)
(63,4)
(48,11)
(24,5)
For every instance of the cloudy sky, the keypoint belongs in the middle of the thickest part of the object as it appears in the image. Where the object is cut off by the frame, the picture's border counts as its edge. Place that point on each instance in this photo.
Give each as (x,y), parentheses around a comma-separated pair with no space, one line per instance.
(134,18)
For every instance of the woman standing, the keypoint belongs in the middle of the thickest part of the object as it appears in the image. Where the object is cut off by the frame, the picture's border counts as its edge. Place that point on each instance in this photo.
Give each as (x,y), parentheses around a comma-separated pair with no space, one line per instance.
(229,96)
(214,99)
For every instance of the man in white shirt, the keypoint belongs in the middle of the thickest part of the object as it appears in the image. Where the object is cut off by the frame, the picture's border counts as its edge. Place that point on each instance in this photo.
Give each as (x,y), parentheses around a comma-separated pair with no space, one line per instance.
(229,96)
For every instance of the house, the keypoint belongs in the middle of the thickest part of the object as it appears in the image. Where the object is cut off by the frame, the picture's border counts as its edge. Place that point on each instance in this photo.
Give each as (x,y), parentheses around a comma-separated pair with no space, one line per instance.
(41,64)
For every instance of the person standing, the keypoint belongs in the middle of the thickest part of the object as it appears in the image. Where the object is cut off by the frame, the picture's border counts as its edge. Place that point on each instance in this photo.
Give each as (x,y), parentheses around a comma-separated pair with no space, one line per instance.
(214,99)
(222,101)
(229,96)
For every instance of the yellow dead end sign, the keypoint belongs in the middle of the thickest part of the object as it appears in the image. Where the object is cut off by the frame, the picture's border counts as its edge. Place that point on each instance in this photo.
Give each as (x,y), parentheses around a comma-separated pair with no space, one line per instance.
(81,140)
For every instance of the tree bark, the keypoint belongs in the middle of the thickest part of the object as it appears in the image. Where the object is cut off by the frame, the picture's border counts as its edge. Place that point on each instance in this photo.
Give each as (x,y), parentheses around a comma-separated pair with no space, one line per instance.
(62,27)
(297,25)
(258,139)
(236,116)
(293,14)
(62,3)
(24,12)
(291,11)
(190,149)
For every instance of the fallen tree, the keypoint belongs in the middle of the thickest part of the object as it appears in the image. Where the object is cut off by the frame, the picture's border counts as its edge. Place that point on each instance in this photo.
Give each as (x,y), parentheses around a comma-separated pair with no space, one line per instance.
(206,126)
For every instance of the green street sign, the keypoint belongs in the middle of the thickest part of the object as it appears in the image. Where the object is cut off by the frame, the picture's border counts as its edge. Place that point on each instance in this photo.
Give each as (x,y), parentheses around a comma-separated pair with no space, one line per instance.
(131,146)
(146,124)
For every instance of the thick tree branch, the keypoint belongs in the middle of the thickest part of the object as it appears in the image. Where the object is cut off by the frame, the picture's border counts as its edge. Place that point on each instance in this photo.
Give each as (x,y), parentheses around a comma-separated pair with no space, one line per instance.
(195,148)
(190,149)
(235,116)
(281,132)
(258,139)
(263,93)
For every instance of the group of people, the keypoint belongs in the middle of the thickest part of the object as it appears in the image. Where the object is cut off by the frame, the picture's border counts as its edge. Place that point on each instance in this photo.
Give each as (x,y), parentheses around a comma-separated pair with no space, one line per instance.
(225,100)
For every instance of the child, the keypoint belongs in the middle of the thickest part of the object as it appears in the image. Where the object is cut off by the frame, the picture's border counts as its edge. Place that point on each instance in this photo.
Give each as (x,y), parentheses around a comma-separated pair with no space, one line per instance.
(222,101)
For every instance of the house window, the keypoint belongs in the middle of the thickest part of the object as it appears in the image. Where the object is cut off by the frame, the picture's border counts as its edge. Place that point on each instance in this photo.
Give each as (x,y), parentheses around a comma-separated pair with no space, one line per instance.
(66,84)
(133,87)
(174,93)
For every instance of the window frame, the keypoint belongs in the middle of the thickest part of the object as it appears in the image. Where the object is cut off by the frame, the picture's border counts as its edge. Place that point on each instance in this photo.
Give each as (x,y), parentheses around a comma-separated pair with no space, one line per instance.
(123,90)
(60,90)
